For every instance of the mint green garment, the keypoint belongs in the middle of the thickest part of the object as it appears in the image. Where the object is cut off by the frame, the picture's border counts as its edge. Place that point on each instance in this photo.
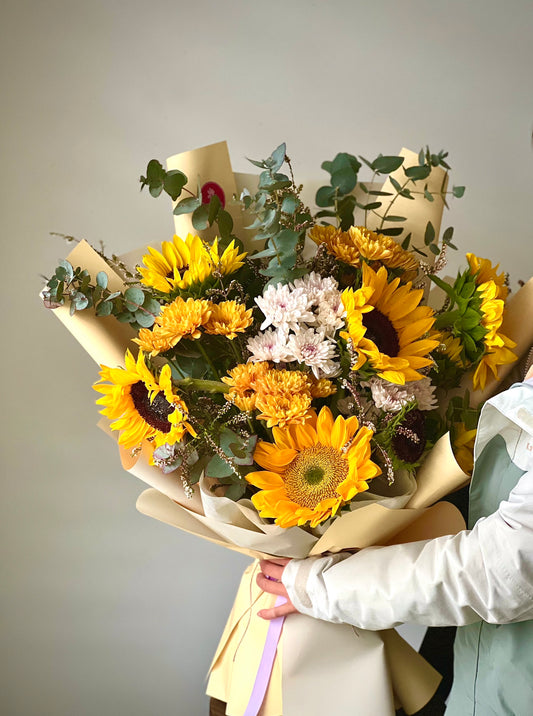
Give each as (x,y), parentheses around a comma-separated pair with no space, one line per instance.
(493,663)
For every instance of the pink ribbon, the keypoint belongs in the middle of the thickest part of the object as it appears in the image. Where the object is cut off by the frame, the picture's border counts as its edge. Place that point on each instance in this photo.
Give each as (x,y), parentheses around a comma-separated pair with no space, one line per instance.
(267,662)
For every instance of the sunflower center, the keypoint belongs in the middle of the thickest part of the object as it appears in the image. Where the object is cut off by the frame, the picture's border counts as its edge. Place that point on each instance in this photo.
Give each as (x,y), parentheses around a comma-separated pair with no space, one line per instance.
(314,475)
(156,412)
(379,330)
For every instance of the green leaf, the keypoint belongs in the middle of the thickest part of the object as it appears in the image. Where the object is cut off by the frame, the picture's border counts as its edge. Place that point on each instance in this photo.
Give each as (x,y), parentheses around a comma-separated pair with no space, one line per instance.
(144,319)
(458,191)
(278,157)
(200,217)
(429,234)
(325,196)
(185,206)
(344,179)
(151,305)
(417,173)
(371,206)
(197,468)
(392,231)
(387,164)
(378,193)
(235,491)
(225,222)
(428,195)
(265,254)
(174,182)
(214,206)
(134,295)
(101,279)
(395,218)
(289,204)
(155,190)
(217,467)
(434,249)
(406,241)
(112,296)
(447,235)
(104,308)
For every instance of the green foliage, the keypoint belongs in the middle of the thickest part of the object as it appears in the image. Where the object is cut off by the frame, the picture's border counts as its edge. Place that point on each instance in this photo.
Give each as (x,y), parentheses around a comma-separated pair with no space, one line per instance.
(74,286)
(280,219)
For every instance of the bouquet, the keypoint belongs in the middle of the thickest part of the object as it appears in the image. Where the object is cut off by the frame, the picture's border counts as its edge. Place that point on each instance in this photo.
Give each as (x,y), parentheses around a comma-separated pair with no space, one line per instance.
(290,381)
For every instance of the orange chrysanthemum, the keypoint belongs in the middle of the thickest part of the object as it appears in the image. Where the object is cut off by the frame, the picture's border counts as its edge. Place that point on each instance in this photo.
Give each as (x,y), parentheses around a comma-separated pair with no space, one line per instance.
(179,319)
(311,470)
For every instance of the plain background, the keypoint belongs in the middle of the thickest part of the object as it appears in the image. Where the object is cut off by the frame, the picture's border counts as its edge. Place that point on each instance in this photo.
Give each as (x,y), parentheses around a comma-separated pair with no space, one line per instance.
(104,611)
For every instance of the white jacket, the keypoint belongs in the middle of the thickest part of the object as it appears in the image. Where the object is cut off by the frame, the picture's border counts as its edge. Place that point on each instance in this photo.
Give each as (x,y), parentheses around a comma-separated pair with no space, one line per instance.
(485,573)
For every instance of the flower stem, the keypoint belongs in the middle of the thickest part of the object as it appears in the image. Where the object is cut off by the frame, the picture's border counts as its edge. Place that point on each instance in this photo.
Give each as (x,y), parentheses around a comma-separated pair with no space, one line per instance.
(208,360)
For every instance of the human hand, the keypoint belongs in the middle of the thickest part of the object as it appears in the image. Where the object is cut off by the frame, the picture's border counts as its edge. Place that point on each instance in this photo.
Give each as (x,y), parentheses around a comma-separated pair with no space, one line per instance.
(269,579)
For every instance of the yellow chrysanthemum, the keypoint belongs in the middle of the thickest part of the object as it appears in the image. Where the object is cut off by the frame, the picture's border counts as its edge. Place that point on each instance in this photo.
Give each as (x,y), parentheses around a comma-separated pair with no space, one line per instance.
(337,242)
(391,334)
(361,243)
(322,387)
(243,381)
(463,447)
(141,405)
(487,272)
(497,346)
(311,470)
(182,263)
(228,318)
(179,319)
(283,397)
(381,249)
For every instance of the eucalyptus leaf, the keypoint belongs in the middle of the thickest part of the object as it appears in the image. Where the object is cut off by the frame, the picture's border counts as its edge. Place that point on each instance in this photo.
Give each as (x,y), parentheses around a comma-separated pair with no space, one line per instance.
(387,164)
(200,217)
(174,182)
(101,279)
(185,206)
(134,296)
(144,319)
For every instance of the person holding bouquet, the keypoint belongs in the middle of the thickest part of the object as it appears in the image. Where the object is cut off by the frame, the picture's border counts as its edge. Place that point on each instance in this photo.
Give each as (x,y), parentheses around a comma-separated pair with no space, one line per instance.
(480,580)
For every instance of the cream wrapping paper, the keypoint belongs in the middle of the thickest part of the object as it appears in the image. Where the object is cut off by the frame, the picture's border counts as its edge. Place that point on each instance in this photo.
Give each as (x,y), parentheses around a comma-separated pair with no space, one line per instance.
(382,655)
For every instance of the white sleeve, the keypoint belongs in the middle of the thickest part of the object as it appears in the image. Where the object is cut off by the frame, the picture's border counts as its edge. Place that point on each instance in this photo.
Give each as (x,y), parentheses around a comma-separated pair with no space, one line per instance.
(485,573)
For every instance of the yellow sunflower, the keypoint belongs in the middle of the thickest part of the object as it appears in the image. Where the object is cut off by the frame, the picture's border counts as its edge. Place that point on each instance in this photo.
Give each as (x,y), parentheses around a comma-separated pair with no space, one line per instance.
(182,263)
(388,327)
(463,447)
(497,346)
(141,405)
(311,470)
(322,387)
(228,318)
(451,346)
(487,272)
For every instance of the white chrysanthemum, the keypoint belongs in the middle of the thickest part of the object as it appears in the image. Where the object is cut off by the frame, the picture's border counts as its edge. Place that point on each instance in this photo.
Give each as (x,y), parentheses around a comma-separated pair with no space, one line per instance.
(284,308)
(424,394)
(270,345)
(391,398)
(314,350)
(330,313)
(315,286)
(388,396)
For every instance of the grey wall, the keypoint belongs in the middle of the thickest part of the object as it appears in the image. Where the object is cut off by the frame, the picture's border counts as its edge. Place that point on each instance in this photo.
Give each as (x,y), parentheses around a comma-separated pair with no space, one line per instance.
(106,611)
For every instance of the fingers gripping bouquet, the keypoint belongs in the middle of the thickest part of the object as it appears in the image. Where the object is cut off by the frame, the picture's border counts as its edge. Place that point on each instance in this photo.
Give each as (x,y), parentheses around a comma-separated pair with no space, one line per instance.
(291,399)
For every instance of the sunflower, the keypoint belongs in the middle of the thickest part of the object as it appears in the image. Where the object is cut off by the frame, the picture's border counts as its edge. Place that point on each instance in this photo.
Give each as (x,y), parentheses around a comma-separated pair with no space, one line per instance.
(311,470)
(484,271)
(142,406)
(497,346)
(228,318)
(387,326)
(183,263)
(451,346)
(179,319)
(322,387)
(463,447)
